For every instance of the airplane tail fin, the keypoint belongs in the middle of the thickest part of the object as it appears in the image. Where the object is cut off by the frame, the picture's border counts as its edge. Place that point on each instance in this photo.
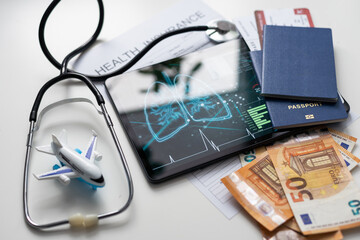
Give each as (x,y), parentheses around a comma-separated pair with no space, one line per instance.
(94,133)
(36,176)
(56,141)
(45,149)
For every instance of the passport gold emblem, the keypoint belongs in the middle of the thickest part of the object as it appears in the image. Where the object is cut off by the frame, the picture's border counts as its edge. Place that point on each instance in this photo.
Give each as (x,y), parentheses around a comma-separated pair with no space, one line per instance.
(310,116)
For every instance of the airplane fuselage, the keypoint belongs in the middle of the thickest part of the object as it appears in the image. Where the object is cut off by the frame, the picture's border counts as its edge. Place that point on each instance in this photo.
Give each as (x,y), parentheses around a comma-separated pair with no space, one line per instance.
(80,165)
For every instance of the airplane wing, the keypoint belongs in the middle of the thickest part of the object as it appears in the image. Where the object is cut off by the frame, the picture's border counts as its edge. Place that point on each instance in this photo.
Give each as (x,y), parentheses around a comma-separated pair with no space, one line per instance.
(65,171)
(90,150)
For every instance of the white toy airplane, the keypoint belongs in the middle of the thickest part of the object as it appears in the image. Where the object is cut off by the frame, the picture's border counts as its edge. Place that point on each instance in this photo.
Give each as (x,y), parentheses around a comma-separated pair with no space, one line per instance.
(74,164)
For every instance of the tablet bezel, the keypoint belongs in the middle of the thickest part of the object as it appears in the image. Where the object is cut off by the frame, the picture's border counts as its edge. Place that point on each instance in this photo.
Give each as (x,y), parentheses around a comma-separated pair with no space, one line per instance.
(157,176)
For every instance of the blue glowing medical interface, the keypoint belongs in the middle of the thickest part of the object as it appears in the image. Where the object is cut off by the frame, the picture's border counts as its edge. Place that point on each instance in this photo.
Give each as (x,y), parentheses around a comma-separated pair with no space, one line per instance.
(192,109)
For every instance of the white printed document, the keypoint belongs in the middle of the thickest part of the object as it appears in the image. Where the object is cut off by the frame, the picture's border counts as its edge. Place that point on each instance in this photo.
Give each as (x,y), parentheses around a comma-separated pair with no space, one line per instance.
(112,55)
(248,30)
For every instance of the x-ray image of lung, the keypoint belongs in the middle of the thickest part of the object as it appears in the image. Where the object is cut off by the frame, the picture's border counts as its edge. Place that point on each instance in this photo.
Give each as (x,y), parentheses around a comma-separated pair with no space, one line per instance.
(193,109)
(164,121)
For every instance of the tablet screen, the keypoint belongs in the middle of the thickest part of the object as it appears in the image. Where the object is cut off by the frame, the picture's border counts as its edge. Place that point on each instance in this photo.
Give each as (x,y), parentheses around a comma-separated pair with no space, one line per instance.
(192,110)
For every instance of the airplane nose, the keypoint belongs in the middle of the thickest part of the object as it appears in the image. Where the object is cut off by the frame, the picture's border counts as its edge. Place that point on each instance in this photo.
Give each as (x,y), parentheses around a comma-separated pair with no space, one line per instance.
(99,180)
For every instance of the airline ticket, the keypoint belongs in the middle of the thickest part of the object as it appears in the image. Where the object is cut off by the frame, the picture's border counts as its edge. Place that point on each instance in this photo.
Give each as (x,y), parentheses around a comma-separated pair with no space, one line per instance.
(297,17)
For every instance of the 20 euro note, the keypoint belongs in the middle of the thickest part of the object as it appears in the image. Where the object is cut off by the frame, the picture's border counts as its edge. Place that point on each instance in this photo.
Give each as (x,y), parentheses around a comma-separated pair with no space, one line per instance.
(345,143)
(350,159)
(257,188)
(344,140)
(318,186)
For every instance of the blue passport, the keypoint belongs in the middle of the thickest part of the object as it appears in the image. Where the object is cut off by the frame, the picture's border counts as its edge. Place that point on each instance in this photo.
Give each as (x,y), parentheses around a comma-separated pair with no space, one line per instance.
(298,63)
(286,113)
(256,58)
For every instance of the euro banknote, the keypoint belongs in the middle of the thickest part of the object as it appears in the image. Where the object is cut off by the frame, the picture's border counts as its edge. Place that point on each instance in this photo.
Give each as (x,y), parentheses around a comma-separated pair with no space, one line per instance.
(350,159)
(285,233)
(248,156)
(317,184)
(344,140)
(257,188)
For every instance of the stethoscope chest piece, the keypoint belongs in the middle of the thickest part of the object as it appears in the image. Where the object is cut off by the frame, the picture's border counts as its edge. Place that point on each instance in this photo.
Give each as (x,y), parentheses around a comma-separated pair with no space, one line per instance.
(225,31)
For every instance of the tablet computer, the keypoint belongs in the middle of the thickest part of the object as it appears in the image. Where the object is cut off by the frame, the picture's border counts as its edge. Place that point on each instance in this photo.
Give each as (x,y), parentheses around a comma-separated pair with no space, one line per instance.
(190,111)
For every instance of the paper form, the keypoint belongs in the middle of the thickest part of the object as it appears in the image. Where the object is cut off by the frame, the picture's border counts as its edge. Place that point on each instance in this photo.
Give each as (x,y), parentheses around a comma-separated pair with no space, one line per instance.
(208,181)
(248,30)
(112,55)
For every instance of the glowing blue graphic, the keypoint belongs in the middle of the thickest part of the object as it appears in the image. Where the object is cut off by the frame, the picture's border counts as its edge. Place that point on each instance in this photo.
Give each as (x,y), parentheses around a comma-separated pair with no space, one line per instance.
(166,114)
(197,103)
(165,121)
(169,116)
(203,108)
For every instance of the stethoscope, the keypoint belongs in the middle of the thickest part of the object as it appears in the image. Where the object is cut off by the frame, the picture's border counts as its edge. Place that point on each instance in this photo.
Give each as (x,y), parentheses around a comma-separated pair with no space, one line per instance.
(218,31)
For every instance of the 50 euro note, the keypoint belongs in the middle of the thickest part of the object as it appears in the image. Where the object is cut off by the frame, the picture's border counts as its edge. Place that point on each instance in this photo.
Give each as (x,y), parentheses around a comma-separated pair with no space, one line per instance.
(285,233)
(317,184)
(257,188)
(291,225)
(252,154)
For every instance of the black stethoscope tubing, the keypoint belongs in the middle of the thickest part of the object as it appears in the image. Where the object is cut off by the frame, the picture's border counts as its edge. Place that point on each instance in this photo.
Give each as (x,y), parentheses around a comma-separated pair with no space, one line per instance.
(88,80)
(33,118)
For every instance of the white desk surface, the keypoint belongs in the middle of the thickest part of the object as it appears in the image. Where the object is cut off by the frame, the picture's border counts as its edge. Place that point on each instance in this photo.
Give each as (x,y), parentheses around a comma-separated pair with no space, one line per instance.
(175,209)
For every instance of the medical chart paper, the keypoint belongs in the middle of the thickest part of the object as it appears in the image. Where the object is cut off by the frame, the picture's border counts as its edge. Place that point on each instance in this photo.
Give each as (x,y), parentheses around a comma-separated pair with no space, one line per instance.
(208,181)
(112,55)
